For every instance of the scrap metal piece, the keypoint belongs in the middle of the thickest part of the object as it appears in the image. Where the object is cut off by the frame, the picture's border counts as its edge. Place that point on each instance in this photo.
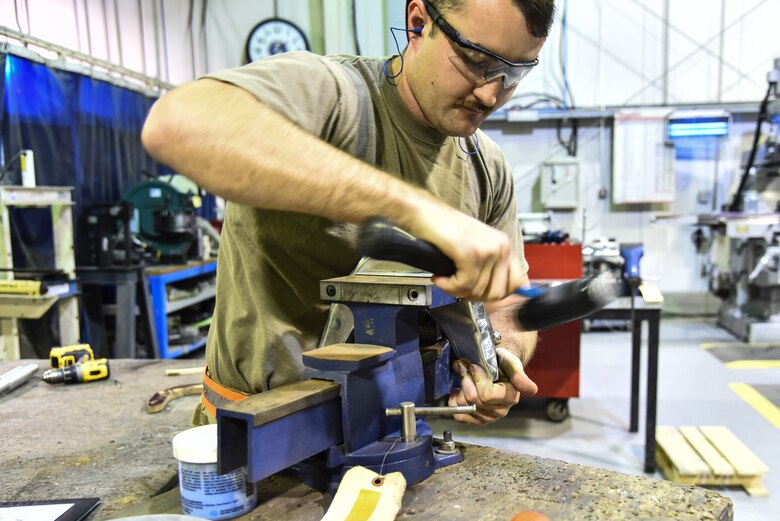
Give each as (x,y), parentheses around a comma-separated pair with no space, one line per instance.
(339,326)
(161,399)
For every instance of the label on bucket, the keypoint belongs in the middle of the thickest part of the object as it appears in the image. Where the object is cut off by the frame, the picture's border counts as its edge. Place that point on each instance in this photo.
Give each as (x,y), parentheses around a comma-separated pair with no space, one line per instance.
(204,493)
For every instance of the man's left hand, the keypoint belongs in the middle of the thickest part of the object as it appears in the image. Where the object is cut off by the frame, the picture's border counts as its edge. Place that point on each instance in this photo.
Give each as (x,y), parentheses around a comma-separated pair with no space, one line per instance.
(493,400)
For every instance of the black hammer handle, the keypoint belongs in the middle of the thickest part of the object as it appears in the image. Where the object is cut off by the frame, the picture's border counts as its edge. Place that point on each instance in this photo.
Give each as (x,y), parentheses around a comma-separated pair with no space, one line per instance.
(379,239)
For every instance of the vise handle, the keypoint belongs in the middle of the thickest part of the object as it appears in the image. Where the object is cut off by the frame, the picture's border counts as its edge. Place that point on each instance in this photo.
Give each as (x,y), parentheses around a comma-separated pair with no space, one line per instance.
(408,413)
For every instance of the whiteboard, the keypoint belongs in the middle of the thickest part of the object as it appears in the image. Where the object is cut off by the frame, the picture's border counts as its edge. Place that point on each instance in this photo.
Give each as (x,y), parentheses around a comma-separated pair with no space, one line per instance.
(642,157)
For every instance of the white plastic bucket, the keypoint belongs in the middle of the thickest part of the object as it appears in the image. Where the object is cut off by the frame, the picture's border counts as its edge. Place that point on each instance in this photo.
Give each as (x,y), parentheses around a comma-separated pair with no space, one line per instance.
(204,493)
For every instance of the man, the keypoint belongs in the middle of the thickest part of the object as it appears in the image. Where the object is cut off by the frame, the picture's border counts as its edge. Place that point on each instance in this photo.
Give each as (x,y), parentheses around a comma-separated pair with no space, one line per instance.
(305,146)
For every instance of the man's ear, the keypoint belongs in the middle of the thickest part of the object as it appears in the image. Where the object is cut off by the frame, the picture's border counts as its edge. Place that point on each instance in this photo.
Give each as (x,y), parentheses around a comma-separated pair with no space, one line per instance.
(415,17)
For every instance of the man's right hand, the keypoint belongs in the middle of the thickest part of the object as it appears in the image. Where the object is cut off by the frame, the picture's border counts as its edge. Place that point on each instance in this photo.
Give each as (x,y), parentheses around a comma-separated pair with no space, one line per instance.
(486,267)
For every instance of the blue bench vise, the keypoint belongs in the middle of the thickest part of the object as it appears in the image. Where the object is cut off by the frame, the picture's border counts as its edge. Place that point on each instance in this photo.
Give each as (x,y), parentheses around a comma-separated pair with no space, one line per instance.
(358,403)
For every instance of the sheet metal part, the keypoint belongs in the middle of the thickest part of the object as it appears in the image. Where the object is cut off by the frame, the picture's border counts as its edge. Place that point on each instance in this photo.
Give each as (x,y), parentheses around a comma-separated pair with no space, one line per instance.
(338,326)
(468,329)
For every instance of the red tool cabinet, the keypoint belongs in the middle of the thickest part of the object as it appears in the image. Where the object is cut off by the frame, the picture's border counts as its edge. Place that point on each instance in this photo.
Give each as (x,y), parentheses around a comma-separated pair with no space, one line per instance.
(555,366)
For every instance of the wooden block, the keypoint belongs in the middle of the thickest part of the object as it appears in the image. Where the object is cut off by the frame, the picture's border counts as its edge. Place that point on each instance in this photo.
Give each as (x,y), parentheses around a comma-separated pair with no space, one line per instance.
(285,400)
(715,461)
(744,461)
(681,454)
(651,294)
(353,352)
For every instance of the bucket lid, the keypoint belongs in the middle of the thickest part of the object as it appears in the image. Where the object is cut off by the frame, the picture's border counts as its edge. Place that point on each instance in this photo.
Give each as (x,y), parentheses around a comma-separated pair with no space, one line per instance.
(196,445)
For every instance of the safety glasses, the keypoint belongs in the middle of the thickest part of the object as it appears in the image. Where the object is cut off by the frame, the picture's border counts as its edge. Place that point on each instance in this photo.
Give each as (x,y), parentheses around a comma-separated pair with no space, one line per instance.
(478,61)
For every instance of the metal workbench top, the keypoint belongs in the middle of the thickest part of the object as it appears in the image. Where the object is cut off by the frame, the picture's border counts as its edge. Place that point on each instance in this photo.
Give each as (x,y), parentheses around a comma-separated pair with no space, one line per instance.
(97,440)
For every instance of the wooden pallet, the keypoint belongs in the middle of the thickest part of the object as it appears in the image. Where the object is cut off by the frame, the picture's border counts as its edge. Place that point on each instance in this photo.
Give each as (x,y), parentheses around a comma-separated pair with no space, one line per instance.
(708,456)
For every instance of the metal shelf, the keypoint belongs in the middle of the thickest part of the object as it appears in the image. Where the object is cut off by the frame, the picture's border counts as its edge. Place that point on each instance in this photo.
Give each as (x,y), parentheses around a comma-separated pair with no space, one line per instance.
(176,305)
(25,306)
(35,306)
(12,307)
(159,277)
(176,351)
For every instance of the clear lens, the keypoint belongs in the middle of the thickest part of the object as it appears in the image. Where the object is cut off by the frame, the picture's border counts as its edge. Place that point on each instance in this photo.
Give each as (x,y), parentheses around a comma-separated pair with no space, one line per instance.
(511,75)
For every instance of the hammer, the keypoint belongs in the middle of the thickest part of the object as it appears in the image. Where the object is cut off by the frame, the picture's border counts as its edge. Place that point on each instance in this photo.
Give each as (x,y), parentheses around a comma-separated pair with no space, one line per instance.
(569,301)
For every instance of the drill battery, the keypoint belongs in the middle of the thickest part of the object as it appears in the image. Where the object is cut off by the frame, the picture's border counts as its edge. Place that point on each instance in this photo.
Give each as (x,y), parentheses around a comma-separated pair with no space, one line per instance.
(64,356)
(88,371)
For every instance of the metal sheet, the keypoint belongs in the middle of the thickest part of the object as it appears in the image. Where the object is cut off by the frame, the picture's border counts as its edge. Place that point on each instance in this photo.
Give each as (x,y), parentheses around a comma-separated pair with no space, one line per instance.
(468,329)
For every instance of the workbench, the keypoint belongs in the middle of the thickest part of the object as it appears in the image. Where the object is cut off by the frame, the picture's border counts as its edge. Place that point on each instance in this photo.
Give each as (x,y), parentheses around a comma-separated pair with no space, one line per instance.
(96,440)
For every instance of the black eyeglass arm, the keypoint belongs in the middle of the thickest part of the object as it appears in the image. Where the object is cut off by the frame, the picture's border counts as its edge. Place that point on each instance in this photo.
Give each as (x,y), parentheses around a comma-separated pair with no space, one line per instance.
(456,37)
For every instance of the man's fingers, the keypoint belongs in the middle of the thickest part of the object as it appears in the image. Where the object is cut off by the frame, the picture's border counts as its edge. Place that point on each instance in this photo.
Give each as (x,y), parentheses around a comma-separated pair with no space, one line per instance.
(480,417)
(496,287)
(493,400)
(472,281)
(515,275)
(483,258)
(512,367)
(467,385)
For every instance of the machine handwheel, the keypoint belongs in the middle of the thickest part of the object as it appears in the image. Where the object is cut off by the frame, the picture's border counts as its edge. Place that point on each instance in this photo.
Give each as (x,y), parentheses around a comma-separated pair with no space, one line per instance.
(557,410)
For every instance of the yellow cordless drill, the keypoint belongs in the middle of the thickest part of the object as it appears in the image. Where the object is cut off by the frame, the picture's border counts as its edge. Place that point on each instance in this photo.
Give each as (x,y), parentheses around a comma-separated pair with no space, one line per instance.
(88,371)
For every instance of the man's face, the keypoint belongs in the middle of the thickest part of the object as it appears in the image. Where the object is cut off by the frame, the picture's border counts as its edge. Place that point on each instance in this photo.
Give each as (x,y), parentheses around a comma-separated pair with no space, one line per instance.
(445,82)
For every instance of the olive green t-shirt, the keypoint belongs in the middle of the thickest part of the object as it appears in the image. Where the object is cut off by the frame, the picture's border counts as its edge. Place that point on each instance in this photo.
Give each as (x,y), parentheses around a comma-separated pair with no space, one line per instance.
(268,309)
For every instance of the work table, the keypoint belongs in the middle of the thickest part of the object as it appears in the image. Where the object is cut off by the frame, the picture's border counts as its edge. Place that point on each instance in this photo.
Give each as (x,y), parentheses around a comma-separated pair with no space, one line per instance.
(97,440)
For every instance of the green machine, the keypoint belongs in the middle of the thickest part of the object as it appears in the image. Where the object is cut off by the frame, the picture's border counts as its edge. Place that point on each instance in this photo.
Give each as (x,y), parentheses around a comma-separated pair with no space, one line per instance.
(164,218)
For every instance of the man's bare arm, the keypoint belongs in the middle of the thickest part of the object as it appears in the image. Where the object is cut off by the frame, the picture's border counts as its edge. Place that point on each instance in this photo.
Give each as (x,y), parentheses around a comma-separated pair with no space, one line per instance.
(234,146)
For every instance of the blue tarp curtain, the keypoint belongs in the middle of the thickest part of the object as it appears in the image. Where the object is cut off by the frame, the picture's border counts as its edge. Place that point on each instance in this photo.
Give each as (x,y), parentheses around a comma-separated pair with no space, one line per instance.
(84,133)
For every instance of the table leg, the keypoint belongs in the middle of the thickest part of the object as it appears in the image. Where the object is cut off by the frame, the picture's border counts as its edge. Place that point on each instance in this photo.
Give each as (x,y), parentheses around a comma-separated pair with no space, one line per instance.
(636,342)
(653,324)
(146,311)
(124,345)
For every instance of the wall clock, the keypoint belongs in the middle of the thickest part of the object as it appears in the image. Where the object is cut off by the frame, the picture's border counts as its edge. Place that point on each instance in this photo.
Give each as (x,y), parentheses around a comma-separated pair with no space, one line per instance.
(274,36)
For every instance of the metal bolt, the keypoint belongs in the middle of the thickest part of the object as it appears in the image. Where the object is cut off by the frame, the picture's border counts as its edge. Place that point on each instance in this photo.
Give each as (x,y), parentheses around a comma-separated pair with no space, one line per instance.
(331,290)
(447,446)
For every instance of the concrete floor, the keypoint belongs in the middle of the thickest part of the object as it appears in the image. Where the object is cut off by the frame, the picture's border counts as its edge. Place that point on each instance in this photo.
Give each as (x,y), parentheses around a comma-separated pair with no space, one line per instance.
(693,390)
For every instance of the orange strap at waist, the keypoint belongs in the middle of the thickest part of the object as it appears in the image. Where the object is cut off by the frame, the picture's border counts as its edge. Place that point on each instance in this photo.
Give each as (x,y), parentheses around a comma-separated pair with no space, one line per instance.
(216,395)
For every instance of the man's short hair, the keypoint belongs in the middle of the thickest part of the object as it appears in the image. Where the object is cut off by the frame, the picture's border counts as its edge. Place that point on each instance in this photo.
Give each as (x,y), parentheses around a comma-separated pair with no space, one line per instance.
(539,14)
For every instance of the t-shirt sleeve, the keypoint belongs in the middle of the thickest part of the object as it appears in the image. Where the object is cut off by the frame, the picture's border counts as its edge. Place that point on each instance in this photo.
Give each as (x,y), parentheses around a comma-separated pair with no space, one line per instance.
(308,89)
(503,213)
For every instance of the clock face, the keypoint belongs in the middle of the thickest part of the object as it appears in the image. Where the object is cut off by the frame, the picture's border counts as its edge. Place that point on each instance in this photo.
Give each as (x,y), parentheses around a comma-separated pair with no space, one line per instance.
(274,36)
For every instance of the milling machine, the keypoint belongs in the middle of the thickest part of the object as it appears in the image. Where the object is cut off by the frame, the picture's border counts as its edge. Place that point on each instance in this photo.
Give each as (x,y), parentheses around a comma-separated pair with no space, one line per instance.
(745,267)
